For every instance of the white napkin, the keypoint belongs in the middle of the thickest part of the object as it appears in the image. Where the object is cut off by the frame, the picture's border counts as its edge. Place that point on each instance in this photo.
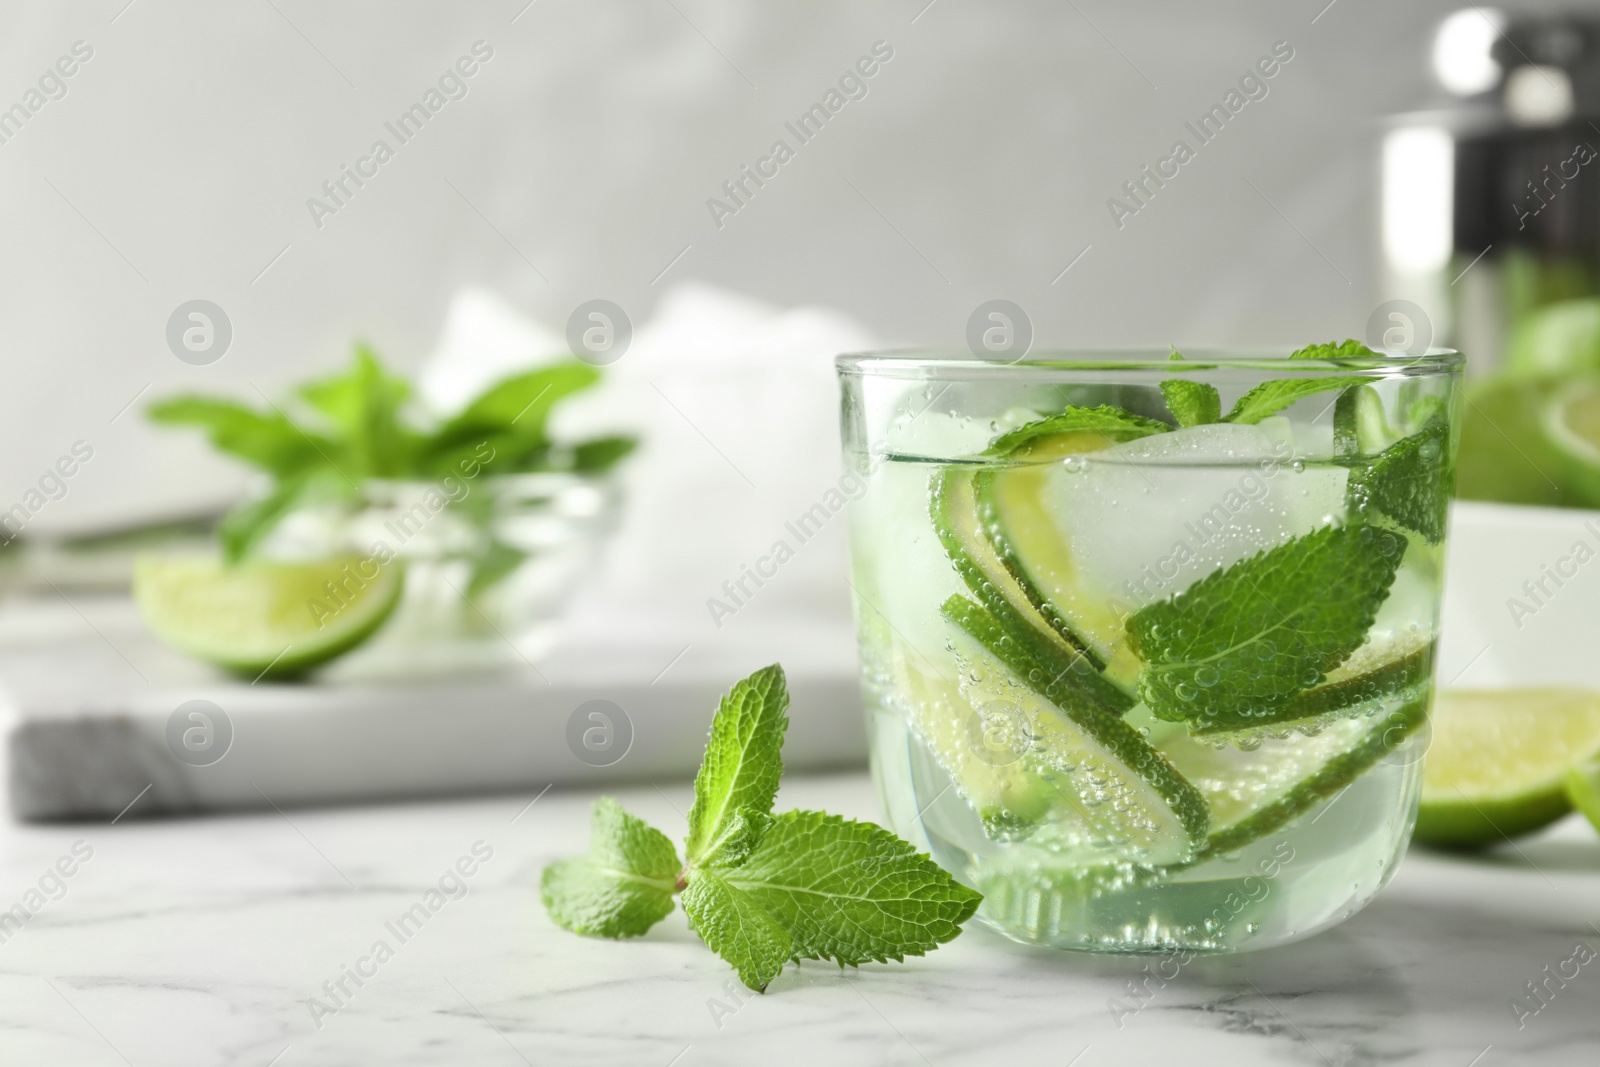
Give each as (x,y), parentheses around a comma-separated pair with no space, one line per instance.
(737,407)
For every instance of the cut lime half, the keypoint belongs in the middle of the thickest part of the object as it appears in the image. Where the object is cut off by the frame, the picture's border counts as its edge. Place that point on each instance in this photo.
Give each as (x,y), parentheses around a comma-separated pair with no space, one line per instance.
(1572,426)
(263,618)
(1499,760)
(1583,790)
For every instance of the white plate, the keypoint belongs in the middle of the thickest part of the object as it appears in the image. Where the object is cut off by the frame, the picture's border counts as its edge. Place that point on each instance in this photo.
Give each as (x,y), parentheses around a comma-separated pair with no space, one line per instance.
(1521,597)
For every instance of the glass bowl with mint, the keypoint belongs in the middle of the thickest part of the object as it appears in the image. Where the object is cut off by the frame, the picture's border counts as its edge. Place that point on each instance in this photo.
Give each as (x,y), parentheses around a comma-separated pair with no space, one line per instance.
(1147,638)
(433,545)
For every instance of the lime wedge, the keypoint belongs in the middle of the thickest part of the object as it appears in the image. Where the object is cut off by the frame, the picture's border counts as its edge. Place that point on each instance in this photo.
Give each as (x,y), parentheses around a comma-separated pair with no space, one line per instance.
(1102,771)
(1572,425)
(1583,790)
(1498,764)
(264,618)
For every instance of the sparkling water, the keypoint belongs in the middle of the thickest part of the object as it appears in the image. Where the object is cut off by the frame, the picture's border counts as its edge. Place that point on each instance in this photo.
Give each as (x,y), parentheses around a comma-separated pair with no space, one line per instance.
(1142,521)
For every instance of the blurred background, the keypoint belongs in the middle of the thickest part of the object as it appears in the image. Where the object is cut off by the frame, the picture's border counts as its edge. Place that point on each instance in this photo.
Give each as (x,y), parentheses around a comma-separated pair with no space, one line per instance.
(179,162)
(674,215)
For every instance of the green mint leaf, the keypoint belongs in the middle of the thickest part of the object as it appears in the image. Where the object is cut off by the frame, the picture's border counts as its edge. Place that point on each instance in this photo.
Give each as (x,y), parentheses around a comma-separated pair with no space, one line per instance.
(600,454)
(1192,403)
(743,760)
(1352,695)
(1269,398)
(363,405)
(622,886)
(1104,420)
(1408,481)
(736,927)
(243,527)
(1346,349)
(1243,641)
(738,838)
(268,441)
(851,891)
(491,567)
(512,416)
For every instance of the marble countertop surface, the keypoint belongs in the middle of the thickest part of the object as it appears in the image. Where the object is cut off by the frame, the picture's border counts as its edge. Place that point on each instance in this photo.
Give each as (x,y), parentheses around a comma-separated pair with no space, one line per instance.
(204,941)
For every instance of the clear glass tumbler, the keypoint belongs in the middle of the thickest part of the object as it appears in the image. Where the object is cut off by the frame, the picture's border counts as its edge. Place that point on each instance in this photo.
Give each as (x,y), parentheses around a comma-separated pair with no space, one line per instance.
(1147,642)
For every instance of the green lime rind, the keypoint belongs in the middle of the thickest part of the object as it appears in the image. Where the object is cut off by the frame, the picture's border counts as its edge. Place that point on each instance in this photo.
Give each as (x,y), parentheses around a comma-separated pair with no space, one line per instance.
(1499,762)
(261,618)
(1345,698)
(1106,420)
(1582,787)
(1106,729)
(1088,882)
(1571,421)
(1014,602)
(1479,823)
(1385,736)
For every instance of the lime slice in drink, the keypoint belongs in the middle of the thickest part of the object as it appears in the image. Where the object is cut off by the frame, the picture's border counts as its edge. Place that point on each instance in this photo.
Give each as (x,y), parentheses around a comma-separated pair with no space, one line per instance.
(981,750)
(999,533)
(1004,588)
(1254,792)
(264,618)
(1572,426)
(1499,760)
(1100,769)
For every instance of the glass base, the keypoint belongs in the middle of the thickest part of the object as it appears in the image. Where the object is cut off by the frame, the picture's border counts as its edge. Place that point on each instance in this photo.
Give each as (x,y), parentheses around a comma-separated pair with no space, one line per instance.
(1313,873)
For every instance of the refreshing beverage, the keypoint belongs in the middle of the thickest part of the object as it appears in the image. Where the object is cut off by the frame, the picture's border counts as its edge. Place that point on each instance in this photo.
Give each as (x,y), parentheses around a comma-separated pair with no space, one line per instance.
(1147,643)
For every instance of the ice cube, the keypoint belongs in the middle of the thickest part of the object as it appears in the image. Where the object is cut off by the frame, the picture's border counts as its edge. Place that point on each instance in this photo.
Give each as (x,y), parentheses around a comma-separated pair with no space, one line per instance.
(1147,518)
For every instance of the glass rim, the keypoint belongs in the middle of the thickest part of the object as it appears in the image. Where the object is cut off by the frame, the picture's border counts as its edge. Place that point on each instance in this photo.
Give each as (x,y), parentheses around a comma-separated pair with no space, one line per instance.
(937,364)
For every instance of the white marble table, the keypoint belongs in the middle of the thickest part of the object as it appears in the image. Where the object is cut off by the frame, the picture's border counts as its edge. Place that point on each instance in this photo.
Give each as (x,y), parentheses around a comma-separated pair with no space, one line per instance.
(200,941)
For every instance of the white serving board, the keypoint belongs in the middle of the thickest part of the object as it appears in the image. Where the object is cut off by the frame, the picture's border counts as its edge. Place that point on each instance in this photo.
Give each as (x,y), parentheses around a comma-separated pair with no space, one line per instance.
(88,696)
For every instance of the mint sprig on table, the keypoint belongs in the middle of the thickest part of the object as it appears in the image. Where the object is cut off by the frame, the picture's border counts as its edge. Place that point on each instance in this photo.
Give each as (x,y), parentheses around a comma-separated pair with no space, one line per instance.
(760,890)
(342,430)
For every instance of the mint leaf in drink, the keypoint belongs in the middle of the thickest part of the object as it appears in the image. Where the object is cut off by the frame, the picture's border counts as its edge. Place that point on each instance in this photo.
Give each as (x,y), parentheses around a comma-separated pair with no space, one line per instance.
(742,765)
(622,886)
(1239,644)
(1105,420)
(851,892)
(1406,481)
(1269,398)
(1191,403)
(737,928)
(1349,348)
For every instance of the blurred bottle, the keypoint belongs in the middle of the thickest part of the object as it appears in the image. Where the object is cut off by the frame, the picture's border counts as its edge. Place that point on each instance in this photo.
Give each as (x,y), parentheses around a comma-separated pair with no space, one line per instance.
(1491,207)
(1491,244)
